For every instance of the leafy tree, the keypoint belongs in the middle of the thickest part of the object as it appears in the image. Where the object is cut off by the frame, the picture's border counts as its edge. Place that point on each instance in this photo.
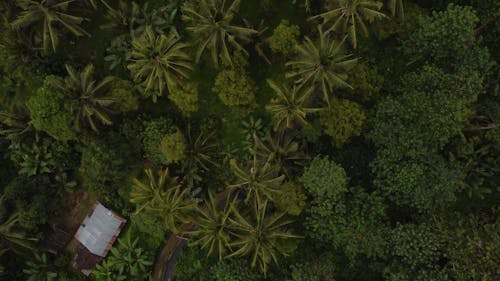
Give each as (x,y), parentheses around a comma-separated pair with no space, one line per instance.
(284,38)
(185,98)
(324,178)
(211,24)
(259,180)
(351,17)
(39,269)
(415,246)
(234,87)
(448,39)
(342,120)
(150,228)
(260,236)
(89,98)
(212,233)
(50,113)
(173,147)
(50,16)
(162,195)
(321,65)
(432,107)
(159,61)
(289,107)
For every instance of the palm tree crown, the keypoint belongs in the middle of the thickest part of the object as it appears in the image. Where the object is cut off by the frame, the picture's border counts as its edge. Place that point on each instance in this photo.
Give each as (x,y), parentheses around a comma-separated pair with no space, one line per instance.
(159,61)
(349,16)
(163,195)
(259,236)
(210,22)
(50,15)
(322,64)
(89,100)
(289,106)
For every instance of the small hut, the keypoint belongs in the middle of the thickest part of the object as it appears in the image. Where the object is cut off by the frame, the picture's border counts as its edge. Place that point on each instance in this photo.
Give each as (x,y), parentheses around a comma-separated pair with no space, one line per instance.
(96,235)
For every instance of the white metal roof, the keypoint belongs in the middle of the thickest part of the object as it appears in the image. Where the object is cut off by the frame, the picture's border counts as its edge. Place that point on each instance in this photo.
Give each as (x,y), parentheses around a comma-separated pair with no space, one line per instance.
(99,230)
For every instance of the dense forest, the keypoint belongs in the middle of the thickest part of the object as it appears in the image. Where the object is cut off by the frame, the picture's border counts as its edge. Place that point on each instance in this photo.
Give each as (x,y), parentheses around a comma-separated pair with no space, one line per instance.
(281,140)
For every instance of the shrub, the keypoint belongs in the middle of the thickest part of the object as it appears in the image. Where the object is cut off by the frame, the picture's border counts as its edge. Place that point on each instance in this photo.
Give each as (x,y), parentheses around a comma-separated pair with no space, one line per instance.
(173,147)
(152,135)
(284,38)
(185,98)
(324,179)
(122,91)
(234,270)
(342,120)
(49,113)
(234,87)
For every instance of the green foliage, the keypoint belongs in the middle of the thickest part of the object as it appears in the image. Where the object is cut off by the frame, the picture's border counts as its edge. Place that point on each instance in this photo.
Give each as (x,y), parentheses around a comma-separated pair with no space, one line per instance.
(210,23)
(354,224)
(51,16)
(185,98)
(159,61)
(342,120)
(192,265)
(415,245)
(321,65)
(262,236)
(150,228)
(163,196)
(291,199)
(448,39)
(151,137)
(103,165)
(124,96)
(51,114)
(39,269)
(173,147)
(289,107)
(89,98)
(432,107)
(351,17)
(366,82)
(234,270)
(324,179)
(127,262)
(284,38)
(235,87)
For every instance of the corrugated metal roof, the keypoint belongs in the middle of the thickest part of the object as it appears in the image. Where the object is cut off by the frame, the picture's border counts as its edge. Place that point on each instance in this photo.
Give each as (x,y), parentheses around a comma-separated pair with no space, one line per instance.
(99,230)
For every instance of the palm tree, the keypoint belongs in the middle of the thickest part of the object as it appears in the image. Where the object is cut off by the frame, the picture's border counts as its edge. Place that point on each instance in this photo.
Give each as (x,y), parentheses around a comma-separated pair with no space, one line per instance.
(164,197)
(200,149)
(49,16)
(259,180)
(210,22)
(159,61)
(39,269)
(397,8)
(148,195)
(322,65)
(349,16)
(89,101)
(259,236)
(11,236)
(212,227)
(279,149)
(289,108)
